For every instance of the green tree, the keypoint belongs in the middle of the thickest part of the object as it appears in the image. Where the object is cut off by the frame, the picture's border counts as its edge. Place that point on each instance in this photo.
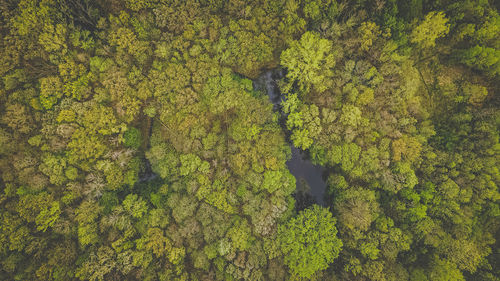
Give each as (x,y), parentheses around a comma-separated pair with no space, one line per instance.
(483,58)
(434,26)
(132,138)
(309,62)
(309,241)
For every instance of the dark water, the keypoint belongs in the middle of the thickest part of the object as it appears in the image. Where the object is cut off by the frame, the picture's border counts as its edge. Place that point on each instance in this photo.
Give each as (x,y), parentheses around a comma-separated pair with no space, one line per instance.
(311,184)
(146,174)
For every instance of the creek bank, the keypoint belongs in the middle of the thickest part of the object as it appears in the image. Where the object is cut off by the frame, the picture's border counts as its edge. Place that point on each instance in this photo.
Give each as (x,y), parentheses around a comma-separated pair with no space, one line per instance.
(311,179)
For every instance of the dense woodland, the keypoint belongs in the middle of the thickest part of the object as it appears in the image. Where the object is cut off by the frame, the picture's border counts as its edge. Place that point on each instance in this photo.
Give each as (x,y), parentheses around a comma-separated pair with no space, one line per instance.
(133,145)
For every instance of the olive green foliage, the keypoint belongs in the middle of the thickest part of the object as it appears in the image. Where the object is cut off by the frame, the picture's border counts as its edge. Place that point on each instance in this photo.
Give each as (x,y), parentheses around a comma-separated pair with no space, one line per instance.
(133,145)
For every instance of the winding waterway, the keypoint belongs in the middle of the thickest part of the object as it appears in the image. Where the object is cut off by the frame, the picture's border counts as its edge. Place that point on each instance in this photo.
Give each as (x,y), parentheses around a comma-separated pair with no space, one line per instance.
(311,184)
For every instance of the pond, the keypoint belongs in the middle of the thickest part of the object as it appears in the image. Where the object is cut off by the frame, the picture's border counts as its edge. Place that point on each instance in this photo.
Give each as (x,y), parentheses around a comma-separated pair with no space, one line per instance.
(311,179)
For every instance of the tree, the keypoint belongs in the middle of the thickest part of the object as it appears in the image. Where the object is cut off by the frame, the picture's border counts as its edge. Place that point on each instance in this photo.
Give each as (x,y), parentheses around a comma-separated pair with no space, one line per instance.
(483,58)
(132,138)
(434,26)
(444,270)
(135,206)
(309,62)
(309,241)
(86,216)
(51,90)
(356,208)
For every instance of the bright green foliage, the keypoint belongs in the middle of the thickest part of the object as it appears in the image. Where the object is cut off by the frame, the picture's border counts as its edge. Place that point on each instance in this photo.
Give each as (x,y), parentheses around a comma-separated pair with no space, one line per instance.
(51,90)
(54,167)
(66,116)
(53,39)
(85,146)
(368,32)
(351,116)
(301,139)
(189,164)
(71,173)
(482,58)
(309,241)
(135,205)
(434,26)
(176,255)
(240,235)
(100,119)
(48,216)
(272,180)
(310,60)
(303,120)
(86,216)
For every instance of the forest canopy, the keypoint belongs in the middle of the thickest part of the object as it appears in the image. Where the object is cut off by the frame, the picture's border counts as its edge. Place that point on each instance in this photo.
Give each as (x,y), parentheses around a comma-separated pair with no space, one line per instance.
(136,143)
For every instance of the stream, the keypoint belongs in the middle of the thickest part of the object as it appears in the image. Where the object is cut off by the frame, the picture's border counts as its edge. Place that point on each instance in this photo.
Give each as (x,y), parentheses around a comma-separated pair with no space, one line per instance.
(311,183)
(310,178)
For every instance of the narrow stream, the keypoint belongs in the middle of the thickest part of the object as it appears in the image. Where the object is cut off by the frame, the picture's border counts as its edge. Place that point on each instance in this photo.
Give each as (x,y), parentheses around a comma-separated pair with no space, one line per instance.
(311,184)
